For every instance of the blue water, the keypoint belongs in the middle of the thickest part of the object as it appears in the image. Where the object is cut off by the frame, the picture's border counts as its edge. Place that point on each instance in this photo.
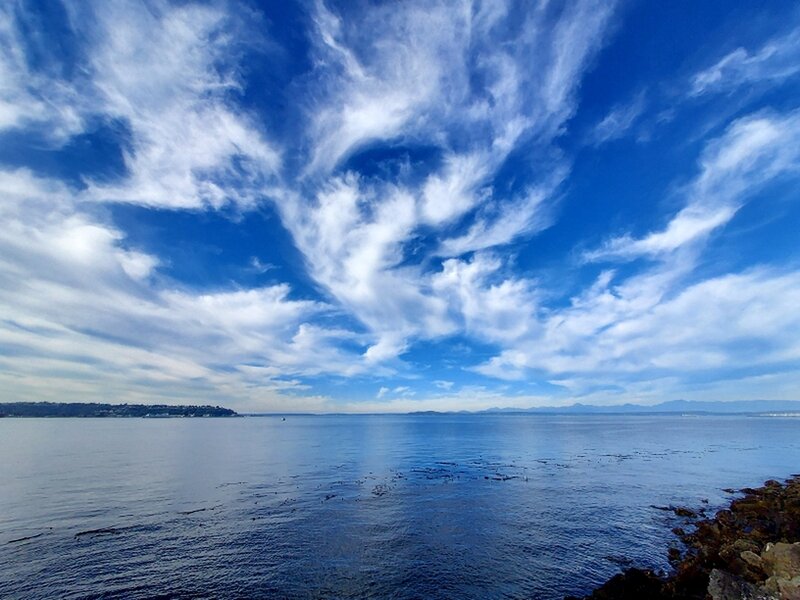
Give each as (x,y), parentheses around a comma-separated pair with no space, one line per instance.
(420,506)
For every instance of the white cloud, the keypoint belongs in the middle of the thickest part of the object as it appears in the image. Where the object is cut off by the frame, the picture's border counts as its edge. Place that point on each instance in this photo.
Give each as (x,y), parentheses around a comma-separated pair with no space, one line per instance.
(468,398)
(165,73)
(492,307)
(778,59)
(753,151)
(390,66)
(661,323)
(17,102)
(26,96)
(576,36)
(619,121)
(501,224)
(441,75)
(741,321)
(354,248)
(259,267)
(403,390)
(417,257)
(450,193)
(83,311)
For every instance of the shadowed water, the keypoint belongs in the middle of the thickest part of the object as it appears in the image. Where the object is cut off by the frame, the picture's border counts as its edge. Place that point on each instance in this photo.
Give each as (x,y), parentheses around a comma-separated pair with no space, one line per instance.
(418,506)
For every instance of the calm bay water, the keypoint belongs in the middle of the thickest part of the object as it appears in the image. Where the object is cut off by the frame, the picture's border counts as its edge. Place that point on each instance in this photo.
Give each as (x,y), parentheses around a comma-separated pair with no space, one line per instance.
(417,506)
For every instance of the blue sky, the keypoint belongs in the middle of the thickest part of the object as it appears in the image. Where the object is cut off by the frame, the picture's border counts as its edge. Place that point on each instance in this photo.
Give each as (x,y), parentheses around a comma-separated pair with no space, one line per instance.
(382,206)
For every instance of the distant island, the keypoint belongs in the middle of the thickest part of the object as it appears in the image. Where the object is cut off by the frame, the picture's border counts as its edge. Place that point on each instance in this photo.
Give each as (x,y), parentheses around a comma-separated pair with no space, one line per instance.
(91,409)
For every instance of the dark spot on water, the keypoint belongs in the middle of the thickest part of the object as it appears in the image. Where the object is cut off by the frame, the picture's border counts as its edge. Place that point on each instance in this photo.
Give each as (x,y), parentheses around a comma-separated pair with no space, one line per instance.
(198,510)
(380,490)
(100,531)
(25,539)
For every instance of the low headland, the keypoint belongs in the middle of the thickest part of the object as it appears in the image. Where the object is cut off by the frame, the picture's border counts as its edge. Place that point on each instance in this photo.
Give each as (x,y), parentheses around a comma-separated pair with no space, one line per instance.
(91,409)
(750,551)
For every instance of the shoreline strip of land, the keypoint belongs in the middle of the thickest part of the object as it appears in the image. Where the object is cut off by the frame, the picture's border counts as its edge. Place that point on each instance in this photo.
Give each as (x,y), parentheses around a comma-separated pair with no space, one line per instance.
(97,410)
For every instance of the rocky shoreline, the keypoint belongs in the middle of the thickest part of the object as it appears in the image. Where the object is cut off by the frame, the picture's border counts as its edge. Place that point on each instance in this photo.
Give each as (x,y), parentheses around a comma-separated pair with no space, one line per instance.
(750,551)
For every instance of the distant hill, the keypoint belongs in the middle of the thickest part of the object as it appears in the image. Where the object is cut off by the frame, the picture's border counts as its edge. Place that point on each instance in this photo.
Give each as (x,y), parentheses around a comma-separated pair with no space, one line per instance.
(673,406)
(80,409)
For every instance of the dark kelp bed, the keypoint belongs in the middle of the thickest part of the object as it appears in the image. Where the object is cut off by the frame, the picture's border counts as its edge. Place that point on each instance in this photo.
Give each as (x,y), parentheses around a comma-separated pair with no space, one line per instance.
(749,551)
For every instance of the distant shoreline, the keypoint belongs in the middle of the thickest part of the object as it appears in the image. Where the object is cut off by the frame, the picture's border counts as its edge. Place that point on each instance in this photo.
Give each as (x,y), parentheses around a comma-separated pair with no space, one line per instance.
(112,411)
(752,408)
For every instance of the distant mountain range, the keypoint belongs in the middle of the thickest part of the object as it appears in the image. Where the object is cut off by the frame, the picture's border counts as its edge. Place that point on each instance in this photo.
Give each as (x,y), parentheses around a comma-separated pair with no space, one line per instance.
(673,406)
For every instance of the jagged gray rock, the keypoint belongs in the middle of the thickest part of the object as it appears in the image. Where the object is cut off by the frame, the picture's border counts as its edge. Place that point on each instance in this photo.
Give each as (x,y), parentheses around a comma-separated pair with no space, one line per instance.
(724,586)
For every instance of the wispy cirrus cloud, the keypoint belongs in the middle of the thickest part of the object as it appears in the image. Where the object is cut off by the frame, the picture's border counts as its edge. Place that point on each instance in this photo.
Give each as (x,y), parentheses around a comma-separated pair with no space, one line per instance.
(619,120)
(487,303)
(657,321)
(81,307)
(27,96)
(752,152)
(191,146)
(444,76)
(424,142)
(778,59)
(168,74)
(409,74)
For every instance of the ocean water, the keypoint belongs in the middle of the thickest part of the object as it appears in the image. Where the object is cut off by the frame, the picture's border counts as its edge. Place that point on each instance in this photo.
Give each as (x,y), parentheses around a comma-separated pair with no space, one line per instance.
(396,506)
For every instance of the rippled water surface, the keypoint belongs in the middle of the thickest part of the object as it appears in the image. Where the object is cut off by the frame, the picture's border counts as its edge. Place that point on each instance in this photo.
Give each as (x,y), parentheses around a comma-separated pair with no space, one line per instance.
(419,506)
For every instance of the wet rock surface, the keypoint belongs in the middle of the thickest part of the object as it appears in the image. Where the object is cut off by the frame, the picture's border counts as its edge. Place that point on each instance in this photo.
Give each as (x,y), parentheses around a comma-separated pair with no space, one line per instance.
(750,551)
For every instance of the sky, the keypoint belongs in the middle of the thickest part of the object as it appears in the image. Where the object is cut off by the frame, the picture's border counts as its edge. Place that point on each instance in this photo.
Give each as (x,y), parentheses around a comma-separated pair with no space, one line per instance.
(368,206)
